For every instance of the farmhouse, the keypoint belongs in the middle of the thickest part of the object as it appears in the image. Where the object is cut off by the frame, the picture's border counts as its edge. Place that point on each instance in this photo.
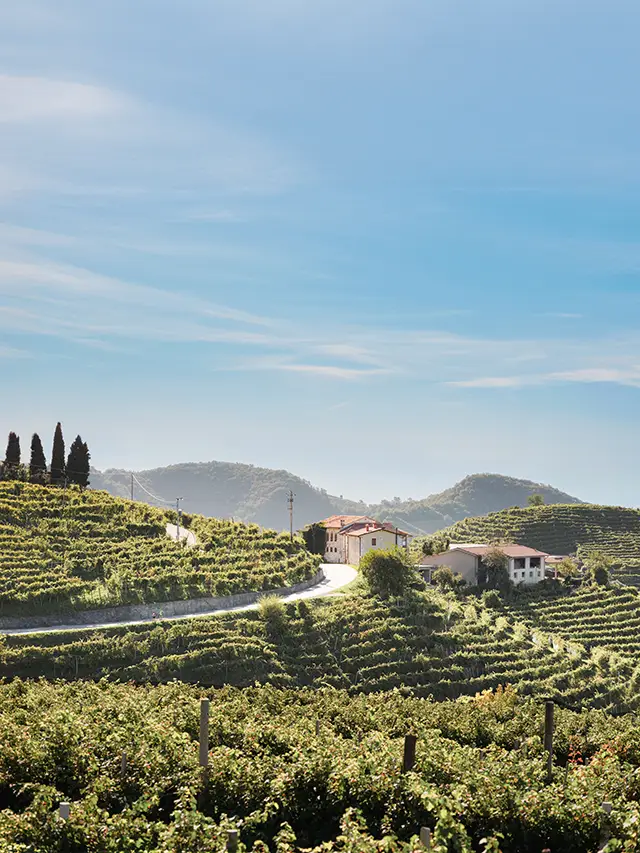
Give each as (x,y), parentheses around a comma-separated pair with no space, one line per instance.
(349,537)
(526,565)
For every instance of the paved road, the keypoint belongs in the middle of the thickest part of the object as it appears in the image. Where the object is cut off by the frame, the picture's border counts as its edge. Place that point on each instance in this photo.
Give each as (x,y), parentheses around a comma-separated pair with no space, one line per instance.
(335,577)
(172,531)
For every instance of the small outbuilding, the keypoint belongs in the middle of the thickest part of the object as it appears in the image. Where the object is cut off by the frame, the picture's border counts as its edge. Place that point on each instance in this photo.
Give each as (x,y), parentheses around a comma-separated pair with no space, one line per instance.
(526,565)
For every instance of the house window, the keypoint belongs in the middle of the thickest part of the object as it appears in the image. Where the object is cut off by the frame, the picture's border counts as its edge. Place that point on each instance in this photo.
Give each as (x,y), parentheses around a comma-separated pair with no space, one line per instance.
(530,574)
(534,562)
(539,573)
(373,541)
(524,574)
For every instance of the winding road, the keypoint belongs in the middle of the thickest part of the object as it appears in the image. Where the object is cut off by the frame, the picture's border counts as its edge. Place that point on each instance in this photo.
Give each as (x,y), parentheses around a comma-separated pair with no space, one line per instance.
(335,577)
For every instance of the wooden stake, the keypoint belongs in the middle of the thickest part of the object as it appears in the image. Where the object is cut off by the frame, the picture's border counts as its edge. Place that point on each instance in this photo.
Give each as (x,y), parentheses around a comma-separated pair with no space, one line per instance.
(64,810)
(123,763)
(548,737)
(204,733)
(317,727)
(409,757)
(425,837)
(232,840)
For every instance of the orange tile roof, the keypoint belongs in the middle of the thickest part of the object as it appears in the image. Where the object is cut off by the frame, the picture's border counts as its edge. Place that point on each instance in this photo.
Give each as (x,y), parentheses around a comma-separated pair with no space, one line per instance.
(342,520)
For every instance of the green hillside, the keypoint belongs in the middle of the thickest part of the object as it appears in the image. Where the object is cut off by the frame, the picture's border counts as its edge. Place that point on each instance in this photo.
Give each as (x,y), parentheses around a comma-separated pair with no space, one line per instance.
(316,771)
(252,494)
(477,494)
(230,490)
(71,549)
(608,618)
(562,529)
(432,643)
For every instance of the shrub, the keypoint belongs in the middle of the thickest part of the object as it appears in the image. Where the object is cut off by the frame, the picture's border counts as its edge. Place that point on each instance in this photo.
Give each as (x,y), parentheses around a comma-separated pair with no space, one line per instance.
(388,572)
(272,610)
(444,577)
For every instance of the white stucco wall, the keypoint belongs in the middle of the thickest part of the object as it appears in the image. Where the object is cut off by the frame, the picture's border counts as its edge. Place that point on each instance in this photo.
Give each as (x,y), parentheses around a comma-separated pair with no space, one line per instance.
(528,574)
(376,539)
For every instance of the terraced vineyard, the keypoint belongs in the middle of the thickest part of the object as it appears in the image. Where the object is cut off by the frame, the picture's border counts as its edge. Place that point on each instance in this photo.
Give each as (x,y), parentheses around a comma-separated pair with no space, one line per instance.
(71,549)
(561,529)
(608,618)
(307,770)
(430,644)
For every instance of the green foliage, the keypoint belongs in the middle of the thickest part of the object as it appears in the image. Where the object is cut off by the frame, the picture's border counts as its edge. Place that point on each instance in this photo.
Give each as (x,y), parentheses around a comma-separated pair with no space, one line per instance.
(479,782)
(315,538)
(535,500)
(272,610)
(598,566)
(434,545)
(57,473)
(494,569)
(37,463)
(78,464)
(75,549)
(567,568)
(445,578)
(430,642)
(388,571)
(11,469)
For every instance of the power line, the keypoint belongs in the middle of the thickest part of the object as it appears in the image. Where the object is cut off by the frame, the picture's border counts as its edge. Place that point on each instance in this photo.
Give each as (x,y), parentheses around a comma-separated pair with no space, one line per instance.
(151,495)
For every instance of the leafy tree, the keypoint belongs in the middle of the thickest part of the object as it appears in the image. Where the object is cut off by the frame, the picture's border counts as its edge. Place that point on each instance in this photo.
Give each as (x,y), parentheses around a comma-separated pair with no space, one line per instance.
(78,465)
(598,567)
(57,458)
(494,569)
(446,578)
(37,463)
(535,500)
(388,572)
(436,544)
(567,568)
(315,537)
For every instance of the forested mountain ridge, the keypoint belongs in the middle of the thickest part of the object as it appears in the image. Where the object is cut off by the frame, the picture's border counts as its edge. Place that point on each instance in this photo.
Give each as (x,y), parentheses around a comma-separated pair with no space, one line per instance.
(229,490)
(253,494)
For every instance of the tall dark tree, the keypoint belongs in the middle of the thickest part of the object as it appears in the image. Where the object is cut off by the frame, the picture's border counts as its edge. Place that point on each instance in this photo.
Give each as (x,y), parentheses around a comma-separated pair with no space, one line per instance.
(78,462)
(11,465)
(57,458)
(12,456)
(37,463)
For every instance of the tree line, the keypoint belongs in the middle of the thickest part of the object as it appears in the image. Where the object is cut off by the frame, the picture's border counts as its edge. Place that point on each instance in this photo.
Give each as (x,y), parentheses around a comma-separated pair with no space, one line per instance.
(74,469)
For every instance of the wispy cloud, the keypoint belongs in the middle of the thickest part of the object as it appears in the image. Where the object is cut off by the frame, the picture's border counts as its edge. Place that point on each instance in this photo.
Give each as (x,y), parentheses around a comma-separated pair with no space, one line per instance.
(27,99)
(589,375)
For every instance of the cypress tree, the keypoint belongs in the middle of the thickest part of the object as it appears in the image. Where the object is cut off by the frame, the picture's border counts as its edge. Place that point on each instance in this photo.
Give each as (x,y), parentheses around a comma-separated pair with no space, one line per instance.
(57,458)
(78,462)
(38,463)
(12,456)
(11,466)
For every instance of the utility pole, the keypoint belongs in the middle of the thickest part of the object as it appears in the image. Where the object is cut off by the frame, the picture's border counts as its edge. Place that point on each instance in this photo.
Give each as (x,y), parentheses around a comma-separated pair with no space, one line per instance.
(178,518)
(132,485)
(290,498)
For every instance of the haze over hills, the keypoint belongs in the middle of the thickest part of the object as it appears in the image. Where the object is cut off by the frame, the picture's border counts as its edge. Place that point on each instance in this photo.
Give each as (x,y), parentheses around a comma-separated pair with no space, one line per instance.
(253,494)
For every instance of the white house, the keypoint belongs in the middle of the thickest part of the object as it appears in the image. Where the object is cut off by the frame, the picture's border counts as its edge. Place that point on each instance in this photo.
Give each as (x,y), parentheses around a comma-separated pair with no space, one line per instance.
(526,565)
(349,537)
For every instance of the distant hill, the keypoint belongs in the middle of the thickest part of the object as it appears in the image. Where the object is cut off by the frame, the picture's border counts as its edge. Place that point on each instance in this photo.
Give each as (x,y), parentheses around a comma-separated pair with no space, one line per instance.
(477,494)
(252,494)
(229,490)
(561,529)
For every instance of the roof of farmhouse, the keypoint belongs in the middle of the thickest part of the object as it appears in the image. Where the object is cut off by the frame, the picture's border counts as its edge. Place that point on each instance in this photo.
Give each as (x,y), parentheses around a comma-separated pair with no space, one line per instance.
(340,521)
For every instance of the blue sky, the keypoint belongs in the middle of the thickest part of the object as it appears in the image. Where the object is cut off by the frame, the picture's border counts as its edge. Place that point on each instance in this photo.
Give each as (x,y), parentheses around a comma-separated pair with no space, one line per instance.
(382,243)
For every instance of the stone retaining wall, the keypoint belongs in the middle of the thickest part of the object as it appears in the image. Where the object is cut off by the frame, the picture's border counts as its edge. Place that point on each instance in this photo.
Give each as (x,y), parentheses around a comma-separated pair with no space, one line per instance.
(145,612)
